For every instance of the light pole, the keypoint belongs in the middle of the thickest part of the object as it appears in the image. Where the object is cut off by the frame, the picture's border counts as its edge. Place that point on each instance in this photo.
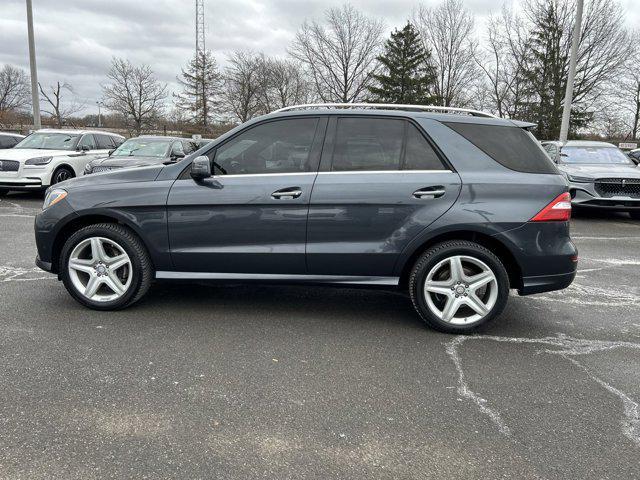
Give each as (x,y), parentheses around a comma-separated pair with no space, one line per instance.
(568,97)
(35,98)
(100,103)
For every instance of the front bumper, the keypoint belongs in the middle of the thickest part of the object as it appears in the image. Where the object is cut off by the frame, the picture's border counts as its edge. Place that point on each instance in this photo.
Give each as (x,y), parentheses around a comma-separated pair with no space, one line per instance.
(583,195)
(46,266)
(21,184)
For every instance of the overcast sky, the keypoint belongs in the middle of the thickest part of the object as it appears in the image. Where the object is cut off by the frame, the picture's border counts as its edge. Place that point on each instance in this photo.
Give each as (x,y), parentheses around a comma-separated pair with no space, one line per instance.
(76,39)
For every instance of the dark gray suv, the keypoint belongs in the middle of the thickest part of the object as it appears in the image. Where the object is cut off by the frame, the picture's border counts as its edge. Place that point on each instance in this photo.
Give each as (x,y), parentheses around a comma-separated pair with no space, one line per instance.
(454,206)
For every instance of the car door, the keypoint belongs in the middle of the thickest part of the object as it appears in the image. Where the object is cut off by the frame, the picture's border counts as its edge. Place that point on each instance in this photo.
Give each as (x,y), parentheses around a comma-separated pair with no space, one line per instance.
(250,216)
(87,151)
(381,182)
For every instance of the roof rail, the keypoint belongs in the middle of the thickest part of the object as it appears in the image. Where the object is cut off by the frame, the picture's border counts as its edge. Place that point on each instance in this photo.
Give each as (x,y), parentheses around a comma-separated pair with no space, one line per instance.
(390,106)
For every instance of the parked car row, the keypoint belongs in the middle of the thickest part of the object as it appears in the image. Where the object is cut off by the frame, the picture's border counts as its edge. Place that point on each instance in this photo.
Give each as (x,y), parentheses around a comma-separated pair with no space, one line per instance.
(599,174)
(50,156)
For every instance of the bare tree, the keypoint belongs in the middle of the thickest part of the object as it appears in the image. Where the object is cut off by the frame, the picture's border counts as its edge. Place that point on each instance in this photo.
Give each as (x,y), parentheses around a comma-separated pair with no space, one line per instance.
(243,82)
(339,54)
(502,59)
(447,31)
(625,99)
(58,109)
(134,92)
(283,84)
(14,89)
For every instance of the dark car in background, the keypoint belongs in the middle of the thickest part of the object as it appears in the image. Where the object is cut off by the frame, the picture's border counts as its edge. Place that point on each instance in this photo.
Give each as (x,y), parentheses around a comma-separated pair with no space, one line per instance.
(9,140)
(600,175)
(634,155)
(453,206)
(144,151)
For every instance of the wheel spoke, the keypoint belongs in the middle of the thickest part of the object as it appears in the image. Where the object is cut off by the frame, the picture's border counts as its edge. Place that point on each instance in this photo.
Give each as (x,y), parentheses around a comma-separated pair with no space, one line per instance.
(476,304)
(113,282)
(81,265)
(457,273)
(450,308)
(480,280)
(442,288)
(117,262)
(97,250)
(92,286)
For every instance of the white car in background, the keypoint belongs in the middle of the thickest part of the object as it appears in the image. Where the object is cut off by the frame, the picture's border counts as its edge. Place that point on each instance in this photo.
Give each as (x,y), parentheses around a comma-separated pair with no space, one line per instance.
(9,140)
(50,156)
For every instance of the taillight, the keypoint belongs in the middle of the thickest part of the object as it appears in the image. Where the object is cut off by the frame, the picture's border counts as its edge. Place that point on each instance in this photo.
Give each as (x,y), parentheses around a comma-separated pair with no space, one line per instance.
(559,210)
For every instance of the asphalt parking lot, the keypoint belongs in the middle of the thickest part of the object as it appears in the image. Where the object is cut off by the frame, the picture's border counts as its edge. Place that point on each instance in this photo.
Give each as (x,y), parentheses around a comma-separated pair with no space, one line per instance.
(201,381)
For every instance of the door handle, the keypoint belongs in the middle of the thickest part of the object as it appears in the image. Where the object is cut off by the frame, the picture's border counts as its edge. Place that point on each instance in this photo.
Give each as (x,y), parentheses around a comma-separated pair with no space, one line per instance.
(291,192)
(430,192)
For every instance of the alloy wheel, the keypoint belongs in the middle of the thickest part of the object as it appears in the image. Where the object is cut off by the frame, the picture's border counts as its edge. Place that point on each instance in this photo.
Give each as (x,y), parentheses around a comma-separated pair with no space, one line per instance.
(100,269)
(460,290)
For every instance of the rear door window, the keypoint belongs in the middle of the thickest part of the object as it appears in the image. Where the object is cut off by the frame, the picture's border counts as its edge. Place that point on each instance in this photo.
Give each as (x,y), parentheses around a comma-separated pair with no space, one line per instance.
(511,147)
(368,144)
(104,142)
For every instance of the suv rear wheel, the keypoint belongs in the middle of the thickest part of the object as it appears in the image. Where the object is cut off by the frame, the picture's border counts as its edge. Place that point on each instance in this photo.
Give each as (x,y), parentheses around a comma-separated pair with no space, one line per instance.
(105,267)
(458,285)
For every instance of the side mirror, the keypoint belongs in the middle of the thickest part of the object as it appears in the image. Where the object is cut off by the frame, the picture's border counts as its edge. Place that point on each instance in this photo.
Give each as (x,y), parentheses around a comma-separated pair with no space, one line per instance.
(200,168)
(177,156)
(111,151)
(83,148)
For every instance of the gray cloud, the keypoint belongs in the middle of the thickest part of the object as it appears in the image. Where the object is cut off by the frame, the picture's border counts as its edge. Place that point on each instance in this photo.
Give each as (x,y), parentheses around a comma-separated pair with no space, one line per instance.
(75,39)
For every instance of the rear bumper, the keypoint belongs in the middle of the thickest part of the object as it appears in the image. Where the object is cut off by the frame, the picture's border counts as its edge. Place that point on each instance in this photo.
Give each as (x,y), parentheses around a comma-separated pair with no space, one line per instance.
(546,283)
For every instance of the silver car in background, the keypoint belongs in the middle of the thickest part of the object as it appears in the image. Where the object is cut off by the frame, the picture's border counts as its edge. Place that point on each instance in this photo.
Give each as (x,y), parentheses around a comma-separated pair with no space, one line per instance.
(600,175)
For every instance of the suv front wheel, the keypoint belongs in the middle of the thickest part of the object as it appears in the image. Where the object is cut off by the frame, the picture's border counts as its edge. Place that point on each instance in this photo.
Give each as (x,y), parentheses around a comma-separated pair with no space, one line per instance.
(458,285)
(105,267)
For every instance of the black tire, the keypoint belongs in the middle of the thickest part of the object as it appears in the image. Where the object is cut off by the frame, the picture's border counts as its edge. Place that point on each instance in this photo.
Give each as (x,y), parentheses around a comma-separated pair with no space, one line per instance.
(436,254)
(635,214)
(61,174)
(142,268)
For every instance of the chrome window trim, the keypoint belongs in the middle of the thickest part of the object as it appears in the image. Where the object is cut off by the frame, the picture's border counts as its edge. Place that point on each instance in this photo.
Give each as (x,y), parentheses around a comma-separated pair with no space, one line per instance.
(384,171)
(351,172)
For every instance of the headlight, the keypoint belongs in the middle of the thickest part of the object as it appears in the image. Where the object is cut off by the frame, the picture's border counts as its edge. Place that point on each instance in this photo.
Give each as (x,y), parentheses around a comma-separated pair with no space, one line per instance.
(38,161)
(53,197)
(573,178)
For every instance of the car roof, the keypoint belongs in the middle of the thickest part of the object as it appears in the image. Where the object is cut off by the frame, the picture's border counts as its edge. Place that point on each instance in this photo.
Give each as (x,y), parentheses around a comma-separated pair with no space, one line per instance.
(77,131)
(11,134)
(588,143)
(160,137)
(443,117)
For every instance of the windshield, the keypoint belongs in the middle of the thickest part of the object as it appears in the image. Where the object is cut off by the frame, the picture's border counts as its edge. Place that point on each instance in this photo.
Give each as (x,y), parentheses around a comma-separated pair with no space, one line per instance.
(142,147)
(594,155)
(49,141)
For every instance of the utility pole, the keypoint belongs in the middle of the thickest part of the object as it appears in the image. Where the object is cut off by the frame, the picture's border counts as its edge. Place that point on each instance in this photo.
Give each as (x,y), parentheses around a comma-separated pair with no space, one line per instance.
(568,97)
(100,104)
(200,36)
(35,98)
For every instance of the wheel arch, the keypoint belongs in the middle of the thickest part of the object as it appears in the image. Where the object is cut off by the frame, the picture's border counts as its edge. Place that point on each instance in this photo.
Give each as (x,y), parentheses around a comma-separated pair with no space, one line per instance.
(60,165)
(481,238)
(82,221)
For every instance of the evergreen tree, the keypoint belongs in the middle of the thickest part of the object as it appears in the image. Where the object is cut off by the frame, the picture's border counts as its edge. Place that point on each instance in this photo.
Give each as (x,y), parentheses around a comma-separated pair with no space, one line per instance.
(201,84)
(408,76)
(545,73)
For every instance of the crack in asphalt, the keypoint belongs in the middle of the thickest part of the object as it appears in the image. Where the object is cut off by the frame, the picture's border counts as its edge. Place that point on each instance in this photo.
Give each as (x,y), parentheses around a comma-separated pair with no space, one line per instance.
(16,210)
(20,274)
(568,347)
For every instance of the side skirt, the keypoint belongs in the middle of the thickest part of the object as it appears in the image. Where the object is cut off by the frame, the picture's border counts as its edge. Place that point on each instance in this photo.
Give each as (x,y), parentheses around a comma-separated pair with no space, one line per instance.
(275,277)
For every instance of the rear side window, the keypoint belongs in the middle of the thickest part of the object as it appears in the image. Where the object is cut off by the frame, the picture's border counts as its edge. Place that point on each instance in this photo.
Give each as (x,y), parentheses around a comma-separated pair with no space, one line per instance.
(511,147)
(419,155)
(371,144)
(104,142)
